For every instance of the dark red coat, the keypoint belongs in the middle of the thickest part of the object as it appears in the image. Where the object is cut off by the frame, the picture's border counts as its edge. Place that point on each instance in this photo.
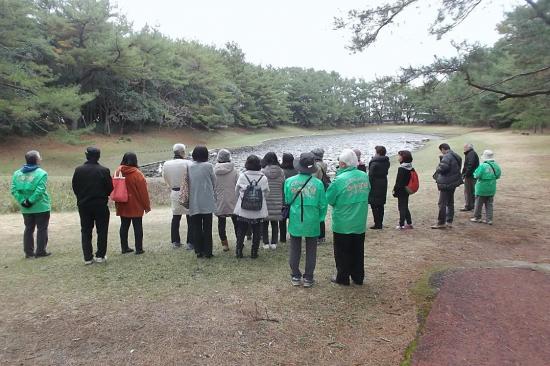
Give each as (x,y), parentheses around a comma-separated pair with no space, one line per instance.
(138,196)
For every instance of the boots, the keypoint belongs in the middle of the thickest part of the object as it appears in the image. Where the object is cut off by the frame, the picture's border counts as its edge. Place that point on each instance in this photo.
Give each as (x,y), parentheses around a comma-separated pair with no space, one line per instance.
(225,245)
(238,251)
(254,251)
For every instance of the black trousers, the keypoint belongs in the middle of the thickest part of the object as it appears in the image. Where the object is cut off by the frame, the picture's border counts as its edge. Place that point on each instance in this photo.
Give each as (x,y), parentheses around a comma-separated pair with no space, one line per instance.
(98,216)
(446,206)
(378,215)
(274,231)
(282,231)
(175,229)
(349,255)
(244,228)
(403,207)
(222,223)
(38,221)
(137,222)
(201,226)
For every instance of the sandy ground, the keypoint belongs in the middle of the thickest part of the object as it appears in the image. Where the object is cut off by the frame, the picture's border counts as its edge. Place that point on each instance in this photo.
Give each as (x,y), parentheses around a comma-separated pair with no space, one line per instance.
(56,311)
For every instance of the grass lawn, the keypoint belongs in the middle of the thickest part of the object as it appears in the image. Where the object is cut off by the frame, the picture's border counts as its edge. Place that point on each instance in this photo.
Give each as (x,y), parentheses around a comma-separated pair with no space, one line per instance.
(168,307)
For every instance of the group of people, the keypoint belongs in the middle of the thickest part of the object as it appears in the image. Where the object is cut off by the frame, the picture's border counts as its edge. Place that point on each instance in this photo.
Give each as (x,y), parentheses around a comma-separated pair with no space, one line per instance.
(290,197)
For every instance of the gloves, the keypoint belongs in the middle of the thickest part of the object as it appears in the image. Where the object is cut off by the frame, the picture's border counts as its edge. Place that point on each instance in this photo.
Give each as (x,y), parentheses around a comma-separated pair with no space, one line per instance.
(26,203)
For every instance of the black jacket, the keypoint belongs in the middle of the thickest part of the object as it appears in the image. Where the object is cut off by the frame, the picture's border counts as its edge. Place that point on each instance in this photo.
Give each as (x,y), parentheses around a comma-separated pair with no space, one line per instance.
(471,162)
(378,177)
(401,181)
(92,184)
(447,175)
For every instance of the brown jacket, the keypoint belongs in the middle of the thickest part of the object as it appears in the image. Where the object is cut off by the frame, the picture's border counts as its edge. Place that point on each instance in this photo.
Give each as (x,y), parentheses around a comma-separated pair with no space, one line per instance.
(138,197)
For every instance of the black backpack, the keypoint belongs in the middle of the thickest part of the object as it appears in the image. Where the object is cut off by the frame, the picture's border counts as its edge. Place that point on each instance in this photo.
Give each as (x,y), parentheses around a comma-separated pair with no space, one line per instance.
(253,197)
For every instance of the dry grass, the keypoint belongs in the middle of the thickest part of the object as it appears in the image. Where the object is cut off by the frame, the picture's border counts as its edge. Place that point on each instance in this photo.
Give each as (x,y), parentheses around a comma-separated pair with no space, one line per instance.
(167,307)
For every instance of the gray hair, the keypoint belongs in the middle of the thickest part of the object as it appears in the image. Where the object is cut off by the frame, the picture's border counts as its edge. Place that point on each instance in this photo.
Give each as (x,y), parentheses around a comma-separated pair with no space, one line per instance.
(179,148)
(469,146)
(32,157)
(348,157)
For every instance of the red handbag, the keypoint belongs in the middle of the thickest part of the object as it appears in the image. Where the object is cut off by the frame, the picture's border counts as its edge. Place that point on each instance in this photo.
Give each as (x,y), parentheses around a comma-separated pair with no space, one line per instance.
(120,192)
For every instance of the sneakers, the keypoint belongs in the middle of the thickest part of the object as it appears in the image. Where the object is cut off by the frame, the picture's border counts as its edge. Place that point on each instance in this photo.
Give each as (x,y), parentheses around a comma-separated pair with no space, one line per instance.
(438,226)
(138,252)
(100,260)
(266,246)
(44,254)
(190,247)
(398,227)
(272,246)
(127,250)
(449,225)
(296,281)
(87,263)
(308,283)
(465,209)
(489,222)
(475,219)
(176,245)
(408,226)
(374,227)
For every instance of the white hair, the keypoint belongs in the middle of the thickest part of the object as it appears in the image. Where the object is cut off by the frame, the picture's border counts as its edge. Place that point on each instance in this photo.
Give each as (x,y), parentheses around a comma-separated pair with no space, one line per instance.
(179,148)
(348,157)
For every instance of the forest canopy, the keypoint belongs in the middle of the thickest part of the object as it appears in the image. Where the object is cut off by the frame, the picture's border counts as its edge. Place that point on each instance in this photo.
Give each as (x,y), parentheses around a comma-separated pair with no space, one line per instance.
(79,63)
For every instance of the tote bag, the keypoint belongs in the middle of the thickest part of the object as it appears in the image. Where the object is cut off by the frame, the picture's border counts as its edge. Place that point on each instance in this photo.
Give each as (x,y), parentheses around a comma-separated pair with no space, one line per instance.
(120,191)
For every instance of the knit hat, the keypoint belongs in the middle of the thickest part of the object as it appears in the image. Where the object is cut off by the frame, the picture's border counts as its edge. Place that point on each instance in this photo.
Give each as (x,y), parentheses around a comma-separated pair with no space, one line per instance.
(318,153)
(224,156)
(348,157)
(306,163)
(488,155)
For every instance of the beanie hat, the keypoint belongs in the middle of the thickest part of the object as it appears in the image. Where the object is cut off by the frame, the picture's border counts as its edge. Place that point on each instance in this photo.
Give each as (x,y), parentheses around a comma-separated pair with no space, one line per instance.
(318,152)
(224,156)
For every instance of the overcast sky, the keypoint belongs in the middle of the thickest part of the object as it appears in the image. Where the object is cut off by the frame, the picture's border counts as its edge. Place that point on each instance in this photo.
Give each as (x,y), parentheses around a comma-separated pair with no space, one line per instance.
(300,32)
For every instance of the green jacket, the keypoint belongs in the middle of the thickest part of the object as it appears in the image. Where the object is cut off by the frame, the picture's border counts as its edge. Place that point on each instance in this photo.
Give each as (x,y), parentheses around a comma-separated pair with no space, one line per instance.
(349,196)
(486,184)
(314,205)
(31,186)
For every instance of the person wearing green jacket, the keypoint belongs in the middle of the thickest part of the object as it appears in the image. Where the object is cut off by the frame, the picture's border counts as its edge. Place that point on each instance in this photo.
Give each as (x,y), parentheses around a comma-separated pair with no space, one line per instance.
(29,188)
(486,187)
(349,195)
(305,194)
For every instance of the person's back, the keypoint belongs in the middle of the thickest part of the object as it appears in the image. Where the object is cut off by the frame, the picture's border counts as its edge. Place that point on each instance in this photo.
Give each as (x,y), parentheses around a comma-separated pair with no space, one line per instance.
(138,196)
(349,195)
(274,198)
(202,199)
(30,184)
(449,171)
(173,172)
(226,179)
(308,210)
(487,174)
(92,184)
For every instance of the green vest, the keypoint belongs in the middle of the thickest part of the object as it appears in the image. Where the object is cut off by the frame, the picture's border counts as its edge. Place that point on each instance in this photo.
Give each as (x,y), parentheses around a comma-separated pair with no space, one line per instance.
(31,186)
(349,196)
(309,208)
(487,174)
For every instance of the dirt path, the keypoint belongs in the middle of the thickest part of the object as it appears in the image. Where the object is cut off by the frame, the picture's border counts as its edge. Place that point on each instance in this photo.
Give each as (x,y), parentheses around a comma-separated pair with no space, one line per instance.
(489,317)
(172,309)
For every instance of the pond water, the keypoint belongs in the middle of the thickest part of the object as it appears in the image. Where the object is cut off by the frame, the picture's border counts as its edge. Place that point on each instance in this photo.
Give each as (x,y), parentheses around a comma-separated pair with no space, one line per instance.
(332,144)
